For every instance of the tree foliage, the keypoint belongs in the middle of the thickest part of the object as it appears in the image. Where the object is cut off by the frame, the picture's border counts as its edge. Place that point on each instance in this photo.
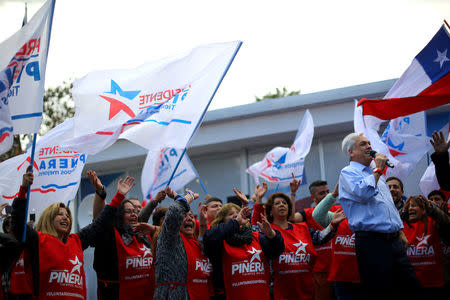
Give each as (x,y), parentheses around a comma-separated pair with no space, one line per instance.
(278,94)
(58,106)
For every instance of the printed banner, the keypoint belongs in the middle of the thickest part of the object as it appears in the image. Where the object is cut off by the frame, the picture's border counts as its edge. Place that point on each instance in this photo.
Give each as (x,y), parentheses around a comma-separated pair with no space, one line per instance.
(56,172)
(159,166)
(23,60)
(279,164)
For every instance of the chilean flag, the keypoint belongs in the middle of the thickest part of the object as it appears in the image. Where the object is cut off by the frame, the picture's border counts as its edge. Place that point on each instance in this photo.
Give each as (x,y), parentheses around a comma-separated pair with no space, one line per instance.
(424,85)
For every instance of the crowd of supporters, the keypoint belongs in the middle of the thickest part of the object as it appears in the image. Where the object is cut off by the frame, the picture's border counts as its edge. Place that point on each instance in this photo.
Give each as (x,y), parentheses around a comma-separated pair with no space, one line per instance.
(228,251)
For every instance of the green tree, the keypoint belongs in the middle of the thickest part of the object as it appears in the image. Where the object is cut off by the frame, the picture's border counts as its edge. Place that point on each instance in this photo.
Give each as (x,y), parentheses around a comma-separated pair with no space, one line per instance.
(278,94)
(58,106)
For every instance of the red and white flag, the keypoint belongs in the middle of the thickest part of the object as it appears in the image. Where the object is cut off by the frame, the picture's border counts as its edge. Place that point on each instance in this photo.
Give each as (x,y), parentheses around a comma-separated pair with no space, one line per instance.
(425,84)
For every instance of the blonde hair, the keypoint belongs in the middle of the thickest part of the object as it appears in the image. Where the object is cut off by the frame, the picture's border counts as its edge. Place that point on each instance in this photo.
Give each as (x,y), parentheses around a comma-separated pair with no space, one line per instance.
(223,213)
(45,222)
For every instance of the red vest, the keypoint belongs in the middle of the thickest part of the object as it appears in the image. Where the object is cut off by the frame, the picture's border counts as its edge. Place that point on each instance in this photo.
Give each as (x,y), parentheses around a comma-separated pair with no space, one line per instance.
(246,272)
(198,280)
(61,272)
(136,271)
(293,269)
(424,252)
(21,277)
(323,251)
(343,266)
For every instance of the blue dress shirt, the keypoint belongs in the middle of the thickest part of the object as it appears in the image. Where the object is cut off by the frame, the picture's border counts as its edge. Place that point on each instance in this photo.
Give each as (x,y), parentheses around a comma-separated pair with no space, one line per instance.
(367,205)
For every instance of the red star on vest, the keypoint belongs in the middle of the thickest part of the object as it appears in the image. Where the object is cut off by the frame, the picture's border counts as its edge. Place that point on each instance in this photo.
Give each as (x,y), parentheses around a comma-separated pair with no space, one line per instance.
(115,106)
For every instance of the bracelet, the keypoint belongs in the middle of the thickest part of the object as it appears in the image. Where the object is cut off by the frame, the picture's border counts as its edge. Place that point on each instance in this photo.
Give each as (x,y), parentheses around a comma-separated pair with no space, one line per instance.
(293,194)
(378,170)
(102,194)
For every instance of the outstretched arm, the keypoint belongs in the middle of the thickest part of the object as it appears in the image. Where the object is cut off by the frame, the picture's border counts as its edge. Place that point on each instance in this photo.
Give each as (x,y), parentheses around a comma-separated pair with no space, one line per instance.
(92,233)
(146,212)
(440,159)
(100,194)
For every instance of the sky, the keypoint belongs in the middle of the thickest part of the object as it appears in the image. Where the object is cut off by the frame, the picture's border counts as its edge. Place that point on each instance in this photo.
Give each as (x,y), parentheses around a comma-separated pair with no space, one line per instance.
(302,45)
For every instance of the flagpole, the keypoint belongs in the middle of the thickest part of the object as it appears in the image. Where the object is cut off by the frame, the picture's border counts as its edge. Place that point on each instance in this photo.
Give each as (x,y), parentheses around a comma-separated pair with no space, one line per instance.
(176,167)
(215,90)
(33,147)
(201,183)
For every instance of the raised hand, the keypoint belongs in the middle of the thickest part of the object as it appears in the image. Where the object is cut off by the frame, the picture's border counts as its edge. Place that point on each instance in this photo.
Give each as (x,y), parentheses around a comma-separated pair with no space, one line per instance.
(241,196)
(160,196)
(335,192)
(338,217)
(170,193)
(260,191)
(144,228)
(28,177)
(124,186)
(95,181)
(2,207)
(243,216)
(439,143)
(294,184)
(265,227)
(190,196)
(202,214)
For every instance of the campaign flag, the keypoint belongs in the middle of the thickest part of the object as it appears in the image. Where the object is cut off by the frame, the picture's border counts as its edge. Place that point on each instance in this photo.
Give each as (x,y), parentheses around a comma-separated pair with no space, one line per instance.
(159,166)
(403,150)
(156,105)
(57,172)
(23,60)
(280,162)
(424,85)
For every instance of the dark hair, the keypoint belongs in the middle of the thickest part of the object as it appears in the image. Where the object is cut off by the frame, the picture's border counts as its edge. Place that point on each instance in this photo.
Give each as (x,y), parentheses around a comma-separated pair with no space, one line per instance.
(213,199)
(395,178)
(120,213)
(315,184)
(158,214)
(269,204)
(6,223)
(439,193)
(417,200)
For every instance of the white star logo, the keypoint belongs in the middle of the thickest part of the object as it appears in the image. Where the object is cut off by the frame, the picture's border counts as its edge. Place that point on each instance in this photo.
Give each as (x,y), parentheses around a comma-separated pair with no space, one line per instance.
(255,254)
(441,57)
(423,241)
(146,250)
(300,247)
(77,265)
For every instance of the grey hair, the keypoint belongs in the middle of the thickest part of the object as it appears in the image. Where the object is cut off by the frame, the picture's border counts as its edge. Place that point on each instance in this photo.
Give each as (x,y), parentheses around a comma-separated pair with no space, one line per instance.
(349,141)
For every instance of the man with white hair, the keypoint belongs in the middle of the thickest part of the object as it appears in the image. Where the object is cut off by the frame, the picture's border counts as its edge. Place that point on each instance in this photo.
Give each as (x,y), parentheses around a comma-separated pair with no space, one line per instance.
(372,215)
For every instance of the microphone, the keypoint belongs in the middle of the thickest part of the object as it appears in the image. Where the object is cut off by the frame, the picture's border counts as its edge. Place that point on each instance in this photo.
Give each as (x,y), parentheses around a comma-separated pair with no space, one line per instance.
(373,153)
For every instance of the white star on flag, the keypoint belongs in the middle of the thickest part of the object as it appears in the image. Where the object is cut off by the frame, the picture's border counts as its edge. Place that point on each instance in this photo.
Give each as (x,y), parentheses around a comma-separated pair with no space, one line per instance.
(255,254)
(300,247)
(77,264)
(423,241)
(441,57)
(146,251)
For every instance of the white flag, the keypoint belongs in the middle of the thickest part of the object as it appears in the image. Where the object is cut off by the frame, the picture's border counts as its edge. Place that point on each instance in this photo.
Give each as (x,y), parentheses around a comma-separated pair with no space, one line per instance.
(410,148)
(156,105)
(23,60)
(57,172)
(279,164)
(159,166)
